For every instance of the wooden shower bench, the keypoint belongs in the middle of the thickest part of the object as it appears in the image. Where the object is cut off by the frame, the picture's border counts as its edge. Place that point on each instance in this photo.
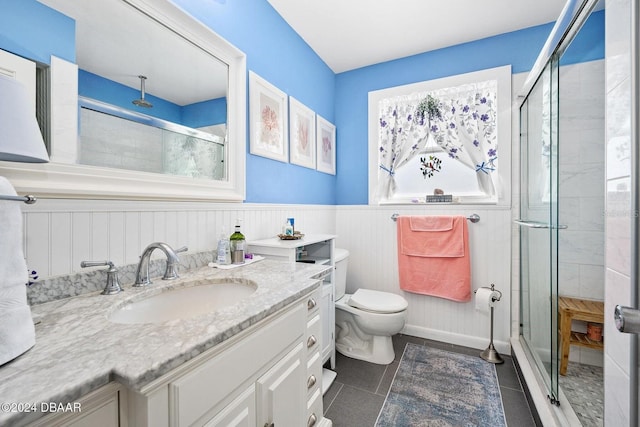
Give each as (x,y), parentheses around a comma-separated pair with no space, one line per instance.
(577,309)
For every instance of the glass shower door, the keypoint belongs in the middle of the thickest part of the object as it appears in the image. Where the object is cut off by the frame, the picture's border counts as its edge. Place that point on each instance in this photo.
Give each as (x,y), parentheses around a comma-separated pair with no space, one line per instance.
(538,226)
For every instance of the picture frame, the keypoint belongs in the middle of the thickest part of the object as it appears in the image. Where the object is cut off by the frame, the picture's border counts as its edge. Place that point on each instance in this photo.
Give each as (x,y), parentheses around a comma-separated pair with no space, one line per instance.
(268,120)
(325,146)
(302,134)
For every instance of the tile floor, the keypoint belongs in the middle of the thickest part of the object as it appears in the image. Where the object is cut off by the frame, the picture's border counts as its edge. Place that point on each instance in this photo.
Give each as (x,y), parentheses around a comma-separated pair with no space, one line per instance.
(359,390)
(584,388)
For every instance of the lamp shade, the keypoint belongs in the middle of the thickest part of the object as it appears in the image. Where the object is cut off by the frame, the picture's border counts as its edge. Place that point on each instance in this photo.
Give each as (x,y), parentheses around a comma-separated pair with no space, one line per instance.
(20,137)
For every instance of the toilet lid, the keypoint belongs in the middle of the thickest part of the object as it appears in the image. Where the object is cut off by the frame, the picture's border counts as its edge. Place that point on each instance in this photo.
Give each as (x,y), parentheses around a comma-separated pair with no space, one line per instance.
(378,302)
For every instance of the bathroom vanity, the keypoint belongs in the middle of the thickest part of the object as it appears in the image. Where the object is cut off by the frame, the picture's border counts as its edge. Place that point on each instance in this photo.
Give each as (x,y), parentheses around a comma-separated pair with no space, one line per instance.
(254,363)
(316,249)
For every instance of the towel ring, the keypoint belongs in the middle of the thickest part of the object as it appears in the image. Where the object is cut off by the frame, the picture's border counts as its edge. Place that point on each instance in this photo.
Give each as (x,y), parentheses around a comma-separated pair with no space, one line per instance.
(473,217)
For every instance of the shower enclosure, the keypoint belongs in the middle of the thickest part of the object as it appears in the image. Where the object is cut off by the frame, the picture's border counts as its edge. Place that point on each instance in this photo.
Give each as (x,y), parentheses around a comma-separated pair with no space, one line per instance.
(539,228)
(561,184)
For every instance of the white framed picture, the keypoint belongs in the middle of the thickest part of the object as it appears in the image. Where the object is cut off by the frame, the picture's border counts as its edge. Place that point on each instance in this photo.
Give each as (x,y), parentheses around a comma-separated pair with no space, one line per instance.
(268,115)
(325,146)
(302,134)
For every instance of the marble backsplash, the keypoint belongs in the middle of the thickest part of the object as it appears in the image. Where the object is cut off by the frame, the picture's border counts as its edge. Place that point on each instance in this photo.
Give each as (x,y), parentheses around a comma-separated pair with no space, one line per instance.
(95,279)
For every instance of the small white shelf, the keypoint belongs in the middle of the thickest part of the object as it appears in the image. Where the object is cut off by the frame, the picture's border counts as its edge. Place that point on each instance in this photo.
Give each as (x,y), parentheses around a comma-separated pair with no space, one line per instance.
(315,260)
(327,379)
(320,249)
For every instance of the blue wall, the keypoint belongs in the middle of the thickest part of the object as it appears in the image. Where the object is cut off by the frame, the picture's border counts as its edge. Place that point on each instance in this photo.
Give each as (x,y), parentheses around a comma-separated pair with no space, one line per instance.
(35,31)
(589,42)
(205,113)
(196,115)
(96,87)
(519,49)
(278,54)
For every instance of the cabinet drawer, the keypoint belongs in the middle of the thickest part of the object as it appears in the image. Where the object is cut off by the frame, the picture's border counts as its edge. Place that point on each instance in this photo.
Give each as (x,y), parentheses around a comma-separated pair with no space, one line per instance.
(314,409)
(198,392)
(314,373)
(313,302)
(314,334)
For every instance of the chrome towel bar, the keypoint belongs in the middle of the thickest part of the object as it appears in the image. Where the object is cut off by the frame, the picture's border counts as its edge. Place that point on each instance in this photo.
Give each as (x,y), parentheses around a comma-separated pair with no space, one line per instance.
(473,217)
(28,199)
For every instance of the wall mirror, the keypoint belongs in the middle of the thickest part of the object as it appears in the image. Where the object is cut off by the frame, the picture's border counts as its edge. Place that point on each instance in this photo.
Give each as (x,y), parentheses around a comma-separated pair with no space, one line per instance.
(153,108)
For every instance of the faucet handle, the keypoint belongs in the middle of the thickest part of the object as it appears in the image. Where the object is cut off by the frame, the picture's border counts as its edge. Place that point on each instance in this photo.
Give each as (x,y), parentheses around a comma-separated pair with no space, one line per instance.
(113,284)
(181,249)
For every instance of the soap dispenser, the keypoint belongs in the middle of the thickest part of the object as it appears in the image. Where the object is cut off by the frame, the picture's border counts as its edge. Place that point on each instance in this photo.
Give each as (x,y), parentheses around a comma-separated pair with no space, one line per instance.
(223,256)
(237,245)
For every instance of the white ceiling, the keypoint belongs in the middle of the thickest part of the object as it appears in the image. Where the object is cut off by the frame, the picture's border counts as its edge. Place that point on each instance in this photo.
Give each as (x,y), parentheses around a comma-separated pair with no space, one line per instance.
(349,34)
(346,34)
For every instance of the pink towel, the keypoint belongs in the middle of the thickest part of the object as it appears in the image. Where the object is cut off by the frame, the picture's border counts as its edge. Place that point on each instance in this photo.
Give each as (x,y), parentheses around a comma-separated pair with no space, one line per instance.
(433,256)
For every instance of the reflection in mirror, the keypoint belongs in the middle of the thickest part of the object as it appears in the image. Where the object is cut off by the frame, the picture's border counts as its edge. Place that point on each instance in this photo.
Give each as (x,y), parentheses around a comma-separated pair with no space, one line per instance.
(119,138)
(124,56)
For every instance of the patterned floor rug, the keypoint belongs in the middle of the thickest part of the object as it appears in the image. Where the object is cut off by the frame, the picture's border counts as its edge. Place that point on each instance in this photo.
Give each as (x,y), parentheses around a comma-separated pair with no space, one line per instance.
(435,387)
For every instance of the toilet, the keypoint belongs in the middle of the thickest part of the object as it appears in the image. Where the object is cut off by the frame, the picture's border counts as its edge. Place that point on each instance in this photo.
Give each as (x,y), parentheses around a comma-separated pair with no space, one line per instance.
(366,319)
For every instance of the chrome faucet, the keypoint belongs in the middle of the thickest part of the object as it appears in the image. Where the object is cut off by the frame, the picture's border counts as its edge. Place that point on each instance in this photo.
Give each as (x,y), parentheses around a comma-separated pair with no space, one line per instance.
(142,273)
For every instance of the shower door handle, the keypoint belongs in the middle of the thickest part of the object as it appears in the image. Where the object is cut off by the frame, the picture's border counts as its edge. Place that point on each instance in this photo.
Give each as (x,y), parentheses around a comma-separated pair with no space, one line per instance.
(538,224)
(627,319)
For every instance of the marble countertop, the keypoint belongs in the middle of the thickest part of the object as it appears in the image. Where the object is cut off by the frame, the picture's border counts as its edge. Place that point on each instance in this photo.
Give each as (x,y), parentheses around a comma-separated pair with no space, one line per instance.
(78,349)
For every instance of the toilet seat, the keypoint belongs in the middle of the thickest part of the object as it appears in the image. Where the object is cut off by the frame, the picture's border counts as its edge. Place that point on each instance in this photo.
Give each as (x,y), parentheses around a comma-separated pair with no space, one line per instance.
(377,301)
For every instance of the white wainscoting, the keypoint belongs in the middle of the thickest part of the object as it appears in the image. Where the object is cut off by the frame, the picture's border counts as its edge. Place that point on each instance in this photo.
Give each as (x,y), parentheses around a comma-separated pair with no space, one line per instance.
(370,236)
(59,234)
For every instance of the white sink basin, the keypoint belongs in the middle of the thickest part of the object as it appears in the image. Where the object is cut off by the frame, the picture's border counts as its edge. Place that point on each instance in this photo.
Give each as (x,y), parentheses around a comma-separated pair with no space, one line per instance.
(183,303)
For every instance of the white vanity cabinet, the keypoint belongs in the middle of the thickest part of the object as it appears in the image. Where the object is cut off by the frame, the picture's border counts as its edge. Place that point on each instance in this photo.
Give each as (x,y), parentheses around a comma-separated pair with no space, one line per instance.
(104,407)
(259,377)
(317,249)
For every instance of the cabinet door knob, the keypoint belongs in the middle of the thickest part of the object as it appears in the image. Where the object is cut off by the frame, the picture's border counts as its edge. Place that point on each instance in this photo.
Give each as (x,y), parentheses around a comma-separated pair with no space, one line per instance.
(311,381)
(311,341)
(311,304)
(312,420)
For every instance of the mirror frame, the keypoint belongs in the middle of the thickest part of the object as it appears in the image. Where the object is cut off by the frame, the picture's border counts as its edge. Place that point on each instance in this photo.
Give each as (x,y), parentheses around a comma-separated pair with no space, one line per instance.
(64,180)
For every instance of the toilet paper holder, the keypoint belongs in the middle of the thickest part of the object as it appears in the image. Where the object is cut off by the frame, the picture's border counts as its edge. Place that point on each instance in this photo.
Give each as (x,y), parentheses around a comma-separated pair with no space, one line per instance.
(493,289)
(490,354)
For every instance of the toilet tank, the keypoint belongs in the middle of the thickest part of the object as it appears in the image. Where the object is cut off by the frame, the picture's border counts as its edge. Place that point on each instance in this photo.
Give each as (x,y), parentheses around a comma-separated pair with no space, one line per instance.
(341,259)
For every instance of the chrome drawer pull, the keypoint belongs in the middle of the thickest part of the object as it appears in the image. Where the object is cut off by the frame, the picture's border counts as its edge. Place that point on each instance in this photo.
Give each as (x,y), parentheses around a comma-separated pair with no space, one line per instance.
(312,420)
(311,304)
(311,341)
(311,381)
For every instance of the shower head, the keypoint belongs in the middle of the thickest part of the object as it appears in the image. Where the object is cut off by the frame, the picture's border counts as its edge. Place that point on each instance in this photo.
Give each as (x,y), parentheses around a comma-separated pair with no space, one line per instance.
(142,102)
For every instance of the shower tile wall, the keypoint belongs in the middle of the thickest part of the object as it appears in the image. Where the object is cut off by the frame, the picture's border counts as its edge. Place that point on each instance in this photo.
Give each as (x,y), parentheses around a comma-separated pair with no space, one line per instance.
(131,145)
(581,192)
(618,207)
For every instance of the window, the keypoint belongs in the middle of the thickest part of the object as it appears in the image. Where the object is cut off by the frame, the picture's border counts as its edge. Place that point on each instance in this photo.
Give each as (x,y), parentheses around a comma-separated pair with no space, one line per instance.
(441,136)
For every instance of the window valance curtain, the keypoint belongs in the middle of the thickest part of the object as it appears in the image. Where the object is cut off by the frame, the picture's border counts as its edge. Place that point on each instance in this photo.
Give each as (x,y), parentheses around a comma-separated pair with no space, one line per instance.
(465,128)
